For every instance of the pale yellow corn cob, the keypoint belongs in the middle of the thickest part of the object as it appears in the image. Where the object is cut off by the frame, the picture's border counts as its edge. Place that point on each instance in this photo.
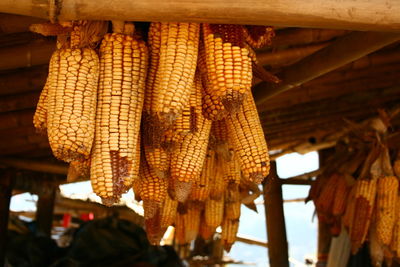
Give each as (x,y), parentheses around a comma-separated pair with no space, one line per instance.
(168,212)
(387,191)
(192,220)
(229,231)
(40,117)
(78,170)
(232,172)
(123,60)
(153,190)
(227,64)
(71,109)
(232,202)
(175,72)
(249,142)
(202,187)
(214,212)
(364,205)
(187,159)
(218,184)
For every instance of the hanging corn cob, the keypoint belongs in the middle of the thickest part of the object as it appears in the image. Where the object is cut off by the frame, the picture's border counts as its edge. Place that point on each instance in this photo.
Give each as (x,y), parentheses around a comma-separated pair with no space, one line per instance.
(395,241)
(176,65)
(78,170)
(232,202)
(214,212)
(168,212)
(218,183)
(40,117)
(187,159)
(123,65)
(205,231)
(180,237)
(229,231)
(228,64)
(72,92)
(248,140)
(202,187)
(191,220)
(153,190)
(153,229)
(340,198)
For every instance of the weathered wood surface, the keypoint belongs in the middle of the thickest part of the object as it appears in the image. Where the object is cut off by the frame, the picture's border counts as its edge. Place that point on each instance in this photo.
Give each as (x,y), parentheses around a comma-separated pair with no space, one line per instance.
(338,14)
(341,52)
(45,209)
(275,220)
(6,184)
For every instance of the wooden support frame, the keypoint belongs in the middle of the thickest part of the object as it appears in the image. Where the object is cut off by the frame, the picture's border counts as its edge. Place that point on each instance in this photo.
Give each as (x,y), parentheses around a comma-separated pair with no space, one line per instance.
(276,229)
(6,185)
(323,61)
(340,14)
(45,208)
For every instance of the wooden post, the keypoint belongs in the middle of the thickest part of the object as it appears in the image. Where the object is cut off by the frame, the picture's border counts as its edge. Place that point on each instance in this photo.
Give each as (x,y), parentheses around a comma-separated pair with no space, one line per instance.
(324,235)
(276,229)
(45,209)
(6,184)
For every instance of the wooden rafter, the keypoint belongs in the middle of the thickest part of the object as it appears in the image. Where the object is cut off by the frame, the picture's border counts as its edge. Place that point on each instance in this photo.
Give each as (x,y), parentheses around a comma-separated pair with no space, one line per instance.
(342,51)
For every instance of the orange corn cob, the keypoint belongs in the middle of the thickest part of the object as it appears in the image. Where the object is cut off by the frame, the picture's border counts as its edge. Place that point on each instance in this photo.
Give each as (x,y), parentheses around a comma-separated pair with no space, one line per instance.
(395,241)
(324,202)
(340,198)
(229,231)
(202,187)
(218,184)
(258,36)
(232,202)
(387,191)
(168,212)
(192,220)
(214,212)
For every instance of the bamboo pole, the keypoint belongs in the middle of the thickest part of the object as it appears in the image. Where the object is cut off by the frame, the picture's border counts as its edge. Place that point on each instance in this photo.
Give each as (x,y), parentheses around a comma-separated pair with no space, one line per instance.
(276,230)
(342,51)
(35,53)
(335,14)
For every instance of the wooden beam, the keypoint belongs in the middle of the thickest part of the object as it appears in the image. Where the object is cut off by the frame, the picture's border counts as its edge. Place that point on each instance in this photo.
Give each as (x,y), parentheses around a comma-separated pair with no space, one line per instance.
(14,23)
(34,165)
(275,218)
(6,185)
(342,51)
(45,209)
(35,53)
(25,80)
(339,14)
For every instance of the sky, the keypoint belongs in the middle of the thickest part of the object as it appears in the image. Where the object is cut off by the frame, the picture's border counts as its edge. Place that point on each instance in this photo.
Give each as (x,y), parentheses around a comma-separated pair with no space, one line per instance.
(300,226)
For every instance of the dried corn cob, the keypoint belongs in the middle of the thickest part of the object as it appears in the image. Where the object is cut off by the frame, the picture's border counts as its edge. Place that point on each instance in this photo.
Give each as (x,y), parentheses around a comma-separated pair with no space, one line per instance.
(221,143)
(123,59)
(72,92)
(212,106)
(396,165)
(387,191)
(348,215)
(340,198)
(40,117)
(153,190)
(135,171)
(376,250)
(258,36)
(187,159)
(192,220)
(232,202)
(158,159)
(364,205)
(218,184)
(168,212)
(214,212)
(176,69)
(324,201)
(228,64)
(395,242)
(229,231)
(153,229)
(202,187)
(205,231)
(180,228)
(248,139)
(232,172)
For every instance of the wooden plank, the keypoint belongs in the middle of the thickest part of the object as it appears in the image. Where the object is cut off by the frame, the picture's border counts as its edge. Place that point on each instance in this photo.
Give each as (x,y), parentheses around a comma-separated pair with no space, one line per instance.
(25,80)
(6,184)
(35,53)
(45,209)
(339,14)
(275,218)
(13,23)
(34,165)
(342,51)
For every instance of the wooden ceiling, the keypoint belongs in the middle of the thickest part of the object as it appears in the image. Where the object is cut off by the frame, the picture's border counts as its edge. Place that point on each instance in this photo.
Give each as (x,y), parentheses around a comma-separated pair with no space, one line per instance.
(305,115)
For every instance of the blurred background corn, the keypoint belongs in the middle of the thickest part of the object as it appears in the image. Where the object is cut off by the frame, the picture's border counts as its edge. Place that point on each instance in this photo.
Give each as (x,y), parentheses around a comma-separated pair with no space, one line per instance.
(214,212)
(229,231)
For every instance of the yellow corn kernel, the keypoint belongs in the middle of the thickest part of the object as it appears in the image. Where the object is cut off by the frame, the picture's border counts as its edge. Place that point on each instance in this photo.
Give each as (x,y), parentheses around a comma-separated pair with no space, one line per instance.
(71,108)
(229,231)
(168,212)
(187,158)
(249,142)
(40,117)
(387,191)
(364,195)
(218,184)
(227,64)
(214,212)
(123,65)
(153,190)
